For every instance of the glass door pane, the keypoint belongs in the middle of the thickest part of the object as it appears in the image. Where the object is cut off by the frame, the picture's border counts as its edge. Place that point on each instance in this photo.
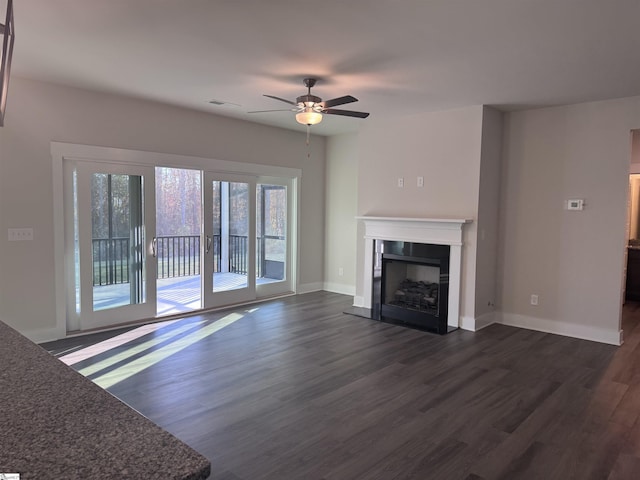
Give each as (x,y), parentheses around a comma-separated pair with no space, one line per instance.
(114,224)
(116,240)
(271,215)
(230,234)
(178,234)
(273,246)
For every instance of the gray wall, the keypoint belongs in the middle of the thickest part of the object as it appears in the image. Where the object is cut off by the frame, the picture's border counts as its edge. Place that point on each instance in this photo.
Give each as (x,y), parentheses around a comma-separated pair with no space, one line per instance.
(572,260)
(341,208)
(39,113)
(445,149)
(488,215)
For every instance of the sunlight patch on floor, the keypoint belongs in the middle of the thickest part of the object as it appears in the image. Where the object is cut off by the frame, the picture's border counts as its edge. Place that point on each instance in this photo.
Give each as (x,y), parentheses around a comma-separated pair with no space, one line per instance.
(134,350)
(122,373)
(106,345)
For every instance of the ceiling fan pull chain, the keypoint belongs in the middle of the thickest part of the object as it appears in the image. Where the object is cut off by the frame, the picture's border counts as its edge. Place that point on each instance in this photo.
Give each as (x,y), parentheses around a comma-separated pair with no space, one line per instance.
(308,148)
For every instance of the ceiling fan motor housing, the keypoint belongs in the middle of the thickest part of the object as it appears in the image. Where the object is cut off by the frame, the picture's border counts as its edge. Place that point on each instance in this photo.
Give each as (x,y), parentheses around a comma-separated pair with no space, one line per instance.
(307,100)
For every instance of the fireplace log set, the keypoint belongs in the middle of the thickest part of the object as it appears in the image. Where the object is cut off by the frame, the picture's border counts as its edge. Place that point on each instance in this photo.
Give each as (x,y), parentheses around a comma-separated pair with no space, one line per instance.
(405,288)
(422,296)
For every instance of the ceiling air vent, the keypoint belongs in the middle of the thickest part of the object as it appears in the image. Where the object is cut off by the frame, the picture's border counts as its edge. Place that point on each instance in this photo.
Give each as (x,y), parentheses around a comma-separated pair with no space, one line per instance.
(222,102)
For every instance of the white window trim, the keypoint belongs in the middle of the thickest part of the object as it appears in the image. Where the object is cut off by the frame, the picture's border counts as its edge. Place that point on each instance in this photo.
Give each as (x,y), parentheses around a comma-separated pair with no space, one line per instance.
(70,151)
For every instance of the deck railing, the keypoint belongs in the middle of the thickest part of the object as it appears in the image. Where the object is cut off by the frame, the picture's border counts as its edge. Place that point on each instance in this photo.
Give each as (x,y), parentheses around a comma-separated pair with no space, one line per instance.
(238,257)
(177,256)
(110,261)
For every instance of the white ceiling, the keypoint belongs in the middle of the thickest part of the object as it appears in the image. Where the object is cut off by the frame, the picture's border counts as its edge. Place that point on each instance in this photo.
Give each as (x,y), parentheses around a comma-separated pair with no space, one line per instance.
(397,57)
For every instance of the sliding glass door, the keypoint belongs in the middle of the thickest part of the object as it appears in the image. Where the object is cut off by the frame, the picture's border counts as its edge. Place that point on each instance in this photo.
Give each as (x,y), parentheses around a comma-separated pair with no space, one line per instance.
(144,241)
(113,226)
(229,228)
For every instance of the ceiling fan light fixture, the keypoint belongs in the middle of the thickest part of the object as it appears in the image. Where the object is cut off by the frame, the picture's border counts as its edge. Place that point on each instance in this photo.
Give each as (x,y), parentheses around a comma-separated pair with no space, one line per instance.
(308,116)
(311,108)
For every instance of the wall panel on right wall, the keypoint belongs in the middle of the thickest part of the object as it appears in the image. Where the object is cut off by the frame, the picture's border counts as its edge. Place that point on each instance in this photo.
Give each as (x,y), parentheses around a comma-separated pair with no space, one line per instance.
(572,260)
(488,208)
(444,148)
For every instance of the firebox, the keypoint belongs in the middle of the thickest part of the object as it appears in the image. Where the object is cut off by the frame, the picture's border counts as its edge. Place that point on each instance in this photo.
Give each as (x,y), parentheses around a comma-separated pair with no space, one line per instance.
(411,284)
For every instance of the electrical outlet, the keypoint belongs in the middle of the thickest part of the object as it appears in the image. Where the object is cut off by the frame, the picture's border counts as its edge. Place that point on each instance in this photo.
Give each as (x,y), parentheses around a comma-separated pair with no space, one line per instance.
(420,181)
(400,182)
(20,234)
(340,271)
(534,299)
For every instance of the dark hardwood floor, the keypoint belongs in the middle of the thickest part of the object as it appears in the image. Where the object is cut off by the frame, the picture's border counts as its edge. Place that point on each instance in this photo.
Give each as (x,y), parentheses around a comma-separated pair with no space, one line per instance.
(296,389)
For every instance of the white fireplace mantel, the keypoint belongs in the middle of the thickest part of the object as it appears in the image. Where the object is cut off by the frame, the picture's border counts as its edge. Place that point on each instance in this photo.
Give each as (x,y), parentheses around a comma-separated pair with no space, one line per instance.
(439,231)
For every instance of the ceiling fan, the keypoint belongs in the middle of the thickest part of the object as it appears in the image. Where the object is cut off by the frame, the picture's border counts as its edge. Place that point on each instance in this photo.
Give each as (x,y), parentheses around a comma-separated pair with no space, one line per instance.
(309,108)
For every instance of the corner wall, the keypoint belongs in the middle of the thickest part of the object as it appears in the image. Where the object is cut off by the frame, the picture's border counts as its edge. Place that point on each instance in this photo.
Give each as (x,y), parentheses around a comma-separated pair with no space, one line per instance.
(573,260)
(341,208)
(488,217)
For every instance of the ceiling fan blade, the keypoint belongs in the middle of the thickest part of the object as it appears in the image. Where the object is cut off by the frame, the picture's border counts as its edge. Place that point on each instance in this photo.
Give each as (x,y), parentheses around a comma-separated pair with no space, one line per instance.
(346,113)
(281,99)
(334,102)
(265,111)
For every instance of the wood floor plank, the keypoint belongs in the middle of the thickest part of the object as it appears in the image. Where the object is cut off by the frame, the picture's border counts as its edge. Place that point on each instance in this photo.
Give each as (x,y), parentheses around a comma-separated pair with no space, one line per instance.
(294,388)
(626,466)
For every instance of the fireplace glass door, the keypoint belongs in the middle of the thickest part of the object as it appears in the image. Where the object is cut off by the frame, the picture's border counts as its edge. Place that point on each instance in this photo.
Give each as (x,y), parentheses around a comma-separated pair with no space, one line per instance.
(411,284)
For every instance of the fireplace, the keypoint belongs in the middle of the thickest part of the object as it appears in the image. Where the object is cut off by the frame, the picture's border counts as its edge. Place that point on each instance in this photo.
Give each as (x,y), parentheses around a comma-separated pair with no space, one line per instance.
(422,262)
(411,284)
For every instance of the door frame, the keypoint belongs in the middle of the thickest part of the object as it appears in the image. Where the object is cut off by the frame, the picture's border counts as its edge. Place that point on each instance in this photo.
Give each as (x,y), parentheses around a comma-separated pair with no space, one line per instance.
(288,284)
(211,299)
(61,151)
(90,318)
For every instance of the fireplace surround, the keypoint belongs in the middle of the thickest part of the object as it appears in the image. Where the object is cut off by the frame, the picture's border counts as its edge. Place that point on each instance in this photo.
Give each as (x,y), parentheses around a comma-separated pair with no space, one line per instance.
(411,284)
(437,232)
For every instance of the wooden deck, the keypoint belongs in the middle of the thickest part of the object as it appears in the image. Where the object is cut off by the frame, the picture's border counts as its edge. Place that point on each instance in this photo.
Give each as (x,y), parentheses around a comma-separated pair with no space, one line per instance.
(174,295)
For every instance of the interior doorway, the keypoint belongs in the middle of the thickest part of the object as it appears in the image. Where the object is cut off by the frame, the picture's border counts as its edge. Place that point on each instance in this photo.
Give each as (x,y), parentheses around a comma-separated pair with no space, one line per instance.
(631,284)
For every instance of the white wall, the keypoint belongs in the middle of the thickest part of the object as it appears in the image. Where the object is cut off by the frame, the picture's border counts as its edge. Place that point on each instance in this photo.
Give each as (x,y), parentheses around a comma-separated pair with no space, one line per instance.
(38,113)
(341,209)
(444,148)
(572,260)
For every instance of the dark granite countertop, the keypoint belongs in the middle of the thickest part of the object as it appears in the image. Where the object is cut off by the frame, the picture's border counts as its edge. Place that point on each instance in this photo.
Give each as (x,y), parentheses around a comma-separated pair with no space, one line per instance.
(57,424)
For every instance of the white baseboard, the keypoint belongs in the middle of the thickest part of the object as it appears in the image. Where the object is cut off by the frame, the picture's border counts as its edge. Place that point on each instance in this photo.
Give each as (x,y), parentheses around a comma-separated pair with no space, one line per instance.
(474,324)
(309,287)
(358,301)
(340,288)
(43,335)
(596,334)
(486,319)
(467,323)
